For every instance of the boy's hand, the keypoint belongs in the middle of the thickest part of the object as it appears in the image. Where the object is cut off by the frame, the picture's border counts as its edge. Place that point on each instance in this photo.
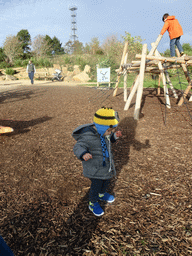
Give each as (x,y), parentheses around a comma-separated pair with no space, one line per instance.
(118,134)
(87,156)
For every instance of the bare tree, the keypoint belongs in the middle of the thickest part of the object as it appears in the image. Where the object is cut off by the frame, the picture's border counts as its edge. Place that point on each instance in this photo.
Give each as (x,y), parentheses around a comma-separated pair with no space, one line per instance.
(40,46)
(113,48)
(12,48)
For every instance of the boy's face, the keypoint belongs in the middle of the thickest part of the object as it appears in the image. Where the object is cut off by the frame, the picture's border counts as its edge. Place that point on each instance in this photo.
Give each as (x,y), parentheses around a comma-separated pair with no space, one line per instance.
(109,131)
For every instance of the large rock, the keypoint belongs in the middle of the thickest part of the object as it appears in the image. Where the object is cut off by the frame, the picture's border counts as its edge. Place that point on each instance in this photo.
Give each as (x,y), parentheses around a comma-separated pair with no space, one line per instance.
(87,69)
(2,78)
(51,71)
(10,78)
(69,73)
(76,70)
(64,70)
(56,66)
(82,77)
(68,79)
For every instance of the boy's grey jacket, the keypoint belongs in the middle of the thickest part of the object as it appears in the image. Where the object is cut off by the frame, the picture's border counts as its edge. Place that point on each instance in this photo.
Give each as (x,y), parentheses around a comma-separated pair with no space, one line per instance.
(88,141)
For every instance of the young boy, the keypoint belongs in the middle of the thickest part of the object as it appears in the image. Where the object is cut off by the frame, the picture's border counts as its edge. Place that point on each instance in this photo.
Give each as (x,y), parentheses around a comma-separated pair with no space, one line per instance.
(93,148)
(175,32)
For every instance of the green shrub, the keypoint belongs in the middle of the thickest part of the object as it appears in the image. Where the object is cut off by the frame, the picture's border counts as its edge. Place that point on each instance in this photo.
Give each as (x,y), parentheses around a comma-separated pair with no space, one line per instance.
(18,63)
(10,71)
(67,60)
(42,62)
(4,65)
(24,63)
(81,62)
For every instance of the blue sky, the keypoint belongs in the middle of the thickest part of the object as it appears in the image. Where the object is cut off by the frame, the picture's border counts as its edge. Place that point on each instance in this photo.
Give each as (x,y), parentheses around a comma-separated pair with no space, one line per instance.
(95,18)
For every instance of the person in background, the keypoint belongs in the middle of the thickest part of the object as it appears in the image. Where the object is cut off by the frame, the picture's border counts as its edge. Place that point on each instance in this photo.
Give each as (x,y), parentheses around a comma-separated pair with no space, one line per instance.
(31,71)
(175,32)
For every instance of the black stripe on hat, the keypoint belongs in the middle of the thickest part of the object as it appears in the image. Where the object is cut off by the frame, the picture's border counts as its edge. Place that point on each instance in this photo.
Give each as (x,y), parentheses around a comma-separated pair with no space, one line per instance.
(105,117)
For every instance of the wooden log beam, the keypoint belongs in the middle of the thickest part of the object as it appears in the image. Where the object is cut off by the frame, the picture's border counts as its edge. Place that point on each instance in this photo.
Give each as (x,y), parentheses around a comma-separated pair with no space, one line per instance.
(154,47)
(180,60)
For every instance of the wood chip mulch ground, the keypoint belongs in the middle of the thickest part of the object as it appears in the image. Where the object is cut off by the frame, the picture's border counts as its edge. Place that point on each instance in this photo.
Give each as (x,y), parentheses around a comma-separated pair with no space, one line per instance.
(44,196)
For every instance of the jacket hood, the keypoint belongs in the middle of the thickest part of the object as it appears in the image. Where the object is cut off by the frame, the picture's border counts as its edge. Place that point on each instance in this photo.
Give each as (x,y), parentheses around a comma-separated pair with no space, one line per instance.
(83,129)
(171,18)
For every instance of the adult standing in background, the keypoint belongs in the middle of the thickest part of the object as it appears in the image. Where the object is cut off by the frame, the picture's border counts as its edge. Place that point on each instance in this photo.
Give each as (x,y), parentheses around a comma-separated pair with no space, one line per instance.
(31,70)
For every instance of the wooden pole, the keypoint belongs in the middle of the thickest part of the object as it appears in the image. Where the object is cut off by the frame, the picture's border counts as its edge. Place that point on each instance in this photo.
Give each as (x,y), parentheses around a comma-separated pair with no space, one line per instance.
(184,67)
(159,86)
(128,102)
(122,61)
(140,87)
(167,76)
(134,83)
(125,78)
(171,85)
(166,93)
(185,93)
(169,59)
(125,87)
(154,47)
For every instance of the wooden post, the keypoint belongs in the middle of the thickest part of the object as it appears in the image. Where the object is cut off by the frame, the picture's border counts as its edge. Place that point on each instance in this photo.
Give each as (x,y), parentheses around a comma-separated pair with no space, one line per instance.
(159,86)
(166,93)
(167,76)
(125,78)
(184,67)
(122,62)
(154,47)
(128,102)
(140,87)
(125,87)
(185,93)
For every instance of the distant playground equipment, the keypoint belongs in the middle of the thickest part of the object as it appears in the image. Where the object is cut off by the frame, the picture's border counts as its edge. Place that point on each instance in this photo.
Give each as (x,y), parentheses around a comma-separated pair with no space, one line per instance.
(4,129)
(156,64)
(57,75)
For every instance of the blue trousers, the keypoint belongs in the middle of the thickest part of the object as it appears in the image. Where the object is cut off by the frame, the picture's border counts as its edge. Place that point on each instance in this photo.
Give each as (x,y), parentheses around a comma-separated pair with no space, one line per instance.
(173,42)
(4,248)
(97,187)
(31,75)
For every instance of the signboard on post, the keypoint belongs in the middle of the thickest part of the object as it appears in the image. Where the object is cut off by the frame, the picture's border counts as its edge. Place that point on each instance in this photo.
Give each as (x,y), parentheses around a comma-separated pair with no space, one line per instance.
(103,75)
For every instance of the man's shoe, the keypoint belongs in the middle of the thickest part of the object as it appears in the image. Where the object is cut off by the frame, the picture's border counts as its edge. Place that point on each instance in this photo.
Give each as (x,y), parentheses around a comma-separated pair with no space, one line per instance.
(107,197)
(96,209)
(181,53)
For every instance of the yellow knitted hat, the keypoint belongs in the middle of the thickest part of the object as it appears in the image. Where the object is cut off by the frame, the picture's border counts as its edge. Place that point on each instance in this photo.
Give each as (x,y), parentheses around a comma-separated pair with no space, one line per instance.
(106,116)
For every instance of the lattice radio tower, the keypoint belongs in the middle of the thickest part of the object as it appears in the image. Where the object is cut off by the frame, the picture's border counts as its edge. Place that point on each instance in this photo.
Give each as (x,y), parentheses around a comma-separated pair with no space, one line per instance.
(73,10)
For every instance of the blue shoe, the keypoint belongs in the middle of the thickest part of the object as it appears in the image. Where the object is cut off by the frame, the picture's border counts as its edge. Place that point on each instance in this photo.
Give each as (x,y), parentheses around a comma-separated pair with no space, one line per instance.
(96,209)
(107,197)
